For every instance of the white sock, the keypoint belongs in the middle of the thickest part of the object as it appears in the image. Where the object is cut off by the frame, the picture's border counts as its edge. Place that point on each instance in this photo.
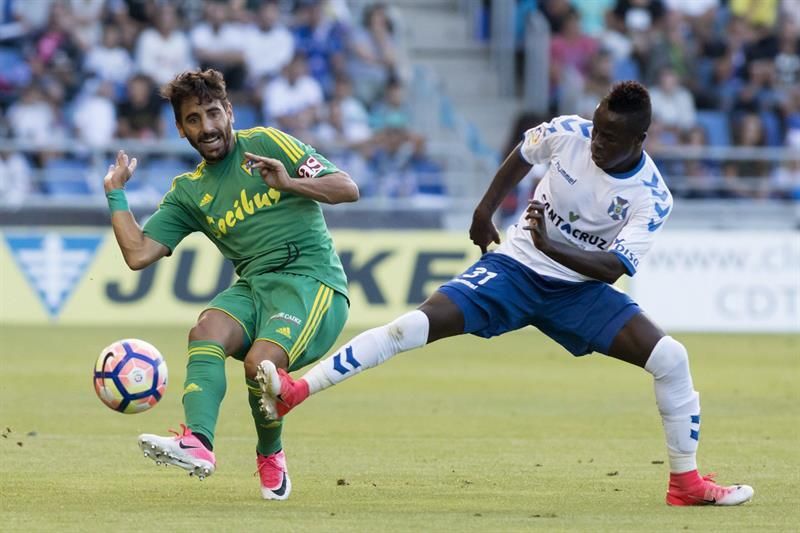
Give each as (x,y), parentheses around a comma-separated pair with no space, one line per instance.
(678,403)
(369,349)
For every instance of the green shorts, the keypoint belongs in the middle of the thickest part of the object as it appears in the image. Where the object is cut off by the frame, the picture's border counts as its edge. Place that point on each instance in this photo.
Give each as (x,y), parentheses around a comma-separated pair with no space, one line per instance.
(298,313)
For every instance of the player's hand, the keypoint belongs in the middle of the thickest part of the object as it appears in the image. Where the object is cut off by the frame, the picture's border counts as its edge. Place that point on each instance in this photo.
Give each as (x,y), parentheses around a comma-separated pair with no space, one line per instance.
(536,224)
(272,171)
(120,172)
(482,231)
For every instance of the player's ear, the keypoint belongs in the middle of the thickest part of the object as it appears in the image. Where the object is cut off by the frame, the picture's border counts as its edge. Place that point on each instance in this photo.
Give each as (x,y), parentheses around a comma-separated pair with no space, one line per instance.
(180,129)
(642,137)
(229,110)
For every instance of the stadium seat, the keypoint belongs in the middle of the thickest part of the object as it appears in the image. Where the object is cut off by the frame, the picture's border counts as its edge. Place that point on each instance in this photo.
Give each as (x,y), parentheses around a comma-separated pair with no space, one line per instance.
(246,117)
(158,172)
(772,129)
(66,177)
(715,124)
(170,131)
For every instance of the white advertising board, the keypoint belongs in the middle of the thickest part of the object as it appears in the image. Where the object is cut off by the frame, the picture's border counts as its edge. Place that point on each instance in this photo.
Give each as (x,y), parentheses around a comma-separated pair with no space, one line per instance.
(722,281)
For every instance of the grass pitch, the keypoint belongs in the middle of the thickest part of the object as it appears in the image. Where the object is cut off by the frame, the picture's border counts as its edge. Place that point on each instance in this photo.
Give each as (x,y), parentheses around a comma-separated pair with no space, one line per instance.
(511,434)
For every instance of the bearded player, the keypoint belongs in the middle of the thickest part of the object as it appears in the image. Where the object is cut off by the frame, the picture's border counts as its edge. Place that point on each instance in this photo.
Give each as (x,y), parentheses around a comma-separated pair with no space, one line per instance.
(256,195)
(592,219)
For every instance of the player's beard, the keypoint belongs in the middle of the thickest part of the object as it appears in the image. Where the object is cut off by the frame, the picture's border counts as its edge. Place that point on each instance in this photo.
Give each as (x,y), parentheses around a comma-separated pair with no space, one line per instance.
(217,150)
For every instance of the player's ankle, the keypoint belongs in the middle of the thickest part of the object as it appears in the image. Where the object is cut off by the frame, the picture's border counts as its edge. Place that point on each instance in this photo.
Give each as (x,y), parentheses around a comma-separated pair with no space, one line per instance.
(205,441)
(683,479)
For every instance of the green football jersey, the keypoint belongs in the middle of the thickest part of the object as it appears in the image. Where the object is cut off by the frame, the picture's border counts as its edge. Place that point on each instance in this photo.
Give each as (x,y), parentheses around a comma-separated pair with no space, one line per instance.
(260,229)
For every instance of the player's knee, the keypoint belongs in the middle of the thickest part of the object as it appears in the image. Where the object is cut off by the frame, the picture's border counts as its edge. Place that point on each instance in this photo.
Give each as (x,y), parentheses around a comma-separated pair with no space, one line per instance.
(409,331)
(220,329)
(668,354)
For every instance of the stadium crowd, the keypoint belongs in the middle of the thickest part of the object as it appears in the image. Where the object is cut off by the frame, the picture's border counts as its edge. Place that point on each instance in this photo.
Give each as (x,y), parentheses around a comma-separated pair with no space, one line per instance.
(721,73)
(89,71)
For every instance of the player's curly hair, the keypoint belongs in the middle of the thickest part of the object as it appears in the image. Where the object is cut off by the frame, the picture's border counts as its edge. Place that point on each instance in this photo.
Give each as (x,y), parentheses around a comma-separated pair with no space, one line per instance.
(631,98)
(205,85)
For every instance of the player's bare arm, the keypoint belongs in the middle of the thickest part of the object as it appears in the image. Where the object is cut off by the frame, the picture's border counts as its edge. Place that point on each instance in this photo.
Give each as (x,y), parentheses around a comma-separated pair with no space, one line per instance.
(601,266)
(334,188)
(137,250)
(482,232)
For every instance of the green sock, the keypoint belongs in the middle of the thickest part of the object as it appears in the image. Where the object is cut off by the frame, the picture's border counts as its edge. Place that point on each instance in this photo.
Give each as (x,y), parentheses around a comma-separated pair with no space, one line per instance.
(204,387)
(269,431)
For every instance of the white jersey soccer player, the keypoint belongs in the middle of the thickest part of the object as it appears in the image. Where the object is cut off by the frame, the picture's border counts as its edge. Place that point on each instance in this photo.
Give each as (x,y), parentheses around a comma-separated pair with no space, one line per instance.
(593,218)
(585,206)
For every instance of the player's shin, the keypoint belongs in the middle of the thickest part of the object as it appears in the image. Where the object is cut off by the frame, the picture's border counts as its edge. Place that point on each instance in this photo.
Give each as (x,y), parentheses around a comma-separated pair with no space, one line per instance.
(269,431)
(678,403)
(204,389)
(368,350)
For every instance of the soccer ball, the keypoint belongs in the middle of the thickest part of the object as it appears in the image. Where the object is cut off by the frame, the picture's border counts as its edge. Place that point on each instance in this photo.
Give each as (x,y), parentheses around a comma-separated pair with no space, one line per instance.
(130,376)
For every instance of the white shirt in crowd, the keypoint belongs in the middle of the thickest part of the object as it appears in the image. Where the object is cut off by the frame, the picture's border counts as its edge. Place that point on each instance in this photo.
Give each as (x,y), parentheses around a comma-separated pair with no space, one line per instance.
(163,58)
(282,99)
(280,44)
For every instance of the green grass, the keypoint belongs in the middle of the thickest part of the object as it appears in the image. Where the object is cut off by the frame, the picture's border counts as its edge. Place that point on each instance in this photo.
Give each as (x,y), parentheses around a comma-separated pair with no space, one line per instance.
(511,434)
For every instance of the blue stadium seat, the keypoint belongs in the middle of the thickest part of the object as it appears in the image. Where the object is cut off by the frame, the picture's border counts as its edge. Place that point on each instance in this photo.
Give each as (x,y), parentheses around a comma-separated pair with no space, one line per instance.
(772,129)
(66,177)
(716,126)
(170,131)
(626,69)
(158,172)
(246,116)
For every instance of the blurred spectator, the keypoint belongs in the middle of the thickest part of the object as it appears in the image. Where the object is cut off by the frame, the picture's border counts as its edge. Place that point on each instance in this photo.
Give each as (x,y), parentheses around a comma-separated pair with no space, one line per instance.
(638,13)
(556,12)
(596,86)
(322,39)
(95,118)
(110,61)
(293,99)
(786,180)
(56,53)
(353,111)
(397,146)
(757,12)
(787,61)
(32,118)
(219,43)
(571,49)
(140,114)
(33,15)
(702,176)
(747,177)
(673,105)
(164,51)
(375,53)
(15,177)
(86,16)
(758,93)
(268,34)
(592,15)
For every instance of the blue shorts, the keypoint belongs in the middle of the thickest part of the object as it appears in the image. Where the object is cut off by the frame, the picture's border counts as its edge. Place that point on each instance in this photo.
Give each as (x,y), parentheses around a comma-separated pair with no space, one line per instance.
(499,294)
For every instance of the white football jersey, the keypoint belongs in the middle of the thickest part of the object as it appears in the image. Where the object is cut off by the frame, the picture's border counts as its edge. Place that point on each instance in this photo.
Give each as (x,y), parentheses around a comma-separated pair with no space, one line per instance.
(585,206)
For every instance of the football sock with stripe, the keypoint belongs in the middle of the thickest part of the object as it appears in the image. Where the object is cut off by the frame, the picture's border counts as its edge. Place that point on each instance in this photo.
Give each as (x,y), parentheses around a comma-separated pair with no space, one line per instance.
(269,431)
(678,403)
(204,388)
(369,349)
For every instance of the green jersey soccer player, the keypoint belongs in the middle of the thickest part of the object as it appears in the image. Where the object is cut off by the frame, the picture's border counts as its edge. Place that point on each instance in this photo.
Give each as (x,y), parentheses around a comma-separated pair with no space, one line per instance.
(256,196)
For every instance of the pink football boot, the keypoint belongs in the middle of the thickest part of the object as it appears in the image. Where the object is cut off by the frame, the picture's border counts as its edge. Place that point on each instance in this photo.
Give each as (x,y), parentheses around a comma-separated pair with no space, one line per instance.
(689,488)
(275,482)
(184,450)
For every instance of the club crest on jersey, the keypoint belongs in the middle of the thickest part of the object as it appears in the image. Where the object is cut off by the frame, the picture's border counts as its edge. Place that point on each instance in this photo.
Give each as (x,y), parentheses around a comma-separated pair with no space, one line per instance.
(247,166)
(618,209)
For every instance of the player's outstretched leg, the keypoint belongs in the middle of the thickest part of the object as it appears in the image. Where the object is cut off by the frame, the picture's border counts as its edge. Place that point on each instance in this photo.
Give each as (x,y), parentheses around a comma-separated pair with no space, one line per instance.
(183,450)
(280,394)
(679,405)
(203,392)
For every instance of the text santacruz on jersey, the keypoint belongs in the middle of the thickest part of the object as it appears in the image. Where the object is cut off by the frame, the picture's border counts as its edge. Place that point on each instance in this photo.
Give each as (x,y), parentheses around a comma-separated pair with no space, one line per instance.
(567,227)
(242,209)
